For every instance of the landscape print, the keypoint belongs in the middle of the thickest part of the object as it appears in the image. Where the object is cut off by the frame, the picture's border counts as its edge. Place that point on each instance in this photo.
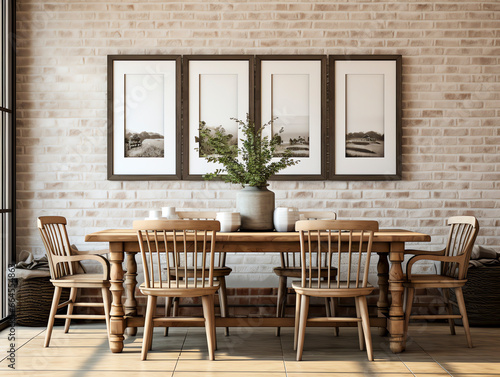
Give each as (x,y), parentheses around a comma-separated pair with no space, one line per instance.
(144,144)
(364,115)
(144,118)
(290,111)
(216,111)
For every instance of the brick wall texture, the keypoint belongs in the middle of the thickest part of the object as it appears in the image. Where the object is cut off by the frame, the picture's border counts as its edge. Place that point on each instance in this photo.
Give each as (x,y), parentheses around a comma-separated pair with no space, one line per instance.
(451,109)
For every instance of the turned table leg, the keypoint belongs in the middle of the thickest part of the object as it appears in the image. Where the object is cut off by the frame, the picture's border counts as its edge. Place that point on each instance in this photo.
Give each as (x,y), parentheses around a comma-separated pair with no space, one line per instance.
(117,320)
(383,285)
(396,313)
(130,284)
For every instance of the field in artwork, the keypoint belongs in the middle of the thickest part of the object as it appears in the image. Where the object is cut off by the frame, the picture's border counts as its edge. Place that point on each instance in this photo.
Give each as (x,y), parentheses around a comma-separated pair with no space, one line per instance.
(144,144)
(360,144)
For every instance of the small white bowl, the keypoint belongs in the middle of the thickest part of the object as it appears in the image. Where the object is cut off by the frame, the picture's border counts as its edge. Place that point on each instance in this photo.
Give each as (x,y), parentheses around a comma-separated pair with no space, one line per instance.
(229,221)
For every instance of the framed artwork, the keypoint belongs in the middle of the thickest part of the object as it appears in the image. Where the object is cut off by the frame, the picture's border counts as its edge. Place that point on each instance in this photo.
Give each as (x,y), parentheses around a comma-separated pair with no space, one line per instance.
(291,92)
(144,112)
(216,89)
(365,130)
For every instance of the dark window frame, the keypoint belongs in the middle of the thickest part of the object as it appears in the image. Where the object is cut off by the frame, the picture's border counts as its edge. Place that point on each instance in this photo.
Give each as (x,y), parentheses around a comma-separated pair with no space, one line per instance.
(7,149)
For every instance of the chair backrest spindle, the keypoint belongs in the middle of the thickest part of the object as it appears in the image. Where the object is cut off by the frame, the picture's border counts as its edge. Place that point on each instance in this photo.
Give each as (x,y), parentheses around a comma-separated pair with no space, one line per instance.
(184,250)
(461,238)
(56,241)
(289,260)
(220,258)
(321,239)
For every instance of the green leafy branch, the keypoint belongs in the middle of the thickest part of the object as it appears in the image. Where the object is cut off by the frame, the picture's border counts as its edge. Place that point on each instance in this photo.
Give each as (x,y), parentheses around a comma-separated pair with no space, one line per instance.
(255,165)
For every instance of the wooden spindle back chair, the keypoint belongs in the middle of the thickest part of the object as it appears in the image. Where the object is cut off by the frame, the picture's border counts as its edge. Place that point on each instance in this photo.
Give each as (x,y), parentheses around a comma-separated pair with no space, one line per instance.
(66,272)
(170,251)
(346,245)
(454,260)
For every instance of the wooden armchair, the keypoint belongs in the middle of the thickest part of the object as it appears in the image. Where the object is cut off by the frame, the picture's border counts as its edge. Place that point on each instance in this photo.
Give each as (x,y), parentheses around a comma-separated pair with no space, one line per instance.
(220,271)
(454,260)
(351,242)
(290,268)
(169,247)
(65,273)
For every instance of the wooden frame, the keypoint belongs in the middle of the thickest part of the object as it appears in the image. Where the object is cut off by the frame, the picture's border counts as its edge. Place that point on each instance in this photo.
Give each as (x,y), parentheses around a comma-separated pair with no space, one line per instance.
(131,79)
(291,91)
(232,76)
(361,151)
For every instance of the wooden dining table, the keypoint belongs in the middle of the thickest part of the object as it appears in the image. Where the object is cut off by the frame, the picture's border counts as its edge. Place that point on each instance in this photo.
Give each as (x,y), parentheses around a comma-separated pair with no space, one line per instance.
(389,244)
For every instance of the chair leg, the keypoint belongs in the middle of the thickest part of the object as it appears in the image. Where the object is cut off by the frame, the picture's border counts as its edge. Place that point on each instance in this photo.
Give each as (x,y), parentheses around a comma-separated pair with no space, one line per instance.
(334,301)
(223,300)
(53,310)
(328,310)
(304,309)
(298,299)
(148,327)
(107,306)
(168,309)
(72,299)
(360,325)
(463,312)
(281,300)
(209,314)
(363,306)
(176,306)
(449,309)
(408,306)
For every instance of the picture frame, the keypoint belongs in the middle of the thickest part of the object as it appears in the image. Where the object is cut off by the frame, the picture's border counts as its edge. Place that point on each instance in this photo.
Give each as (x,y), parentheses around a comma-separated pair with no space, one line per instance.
(144,117)
(216,89)
(291,92)
(365,117)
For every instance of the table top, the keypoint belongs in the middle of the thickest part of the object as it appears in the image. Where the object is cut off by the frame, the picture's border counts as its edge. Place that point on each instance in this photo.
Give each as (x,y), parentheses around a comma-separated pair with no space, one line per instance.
(383,235)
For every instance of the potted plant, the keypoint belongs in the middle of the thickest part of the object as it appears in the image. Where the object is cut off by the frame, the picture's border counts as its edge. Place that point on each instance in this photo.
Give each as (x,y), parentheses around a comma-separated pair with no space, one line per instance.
(250,166)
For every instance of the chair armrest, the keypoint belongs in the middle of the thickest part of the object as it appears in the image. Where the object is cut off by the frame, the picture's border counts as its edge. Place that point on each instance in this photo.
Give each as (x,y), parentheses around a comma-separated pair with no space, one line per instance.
(89,252)
(77,258)
(424,252)
(417,258)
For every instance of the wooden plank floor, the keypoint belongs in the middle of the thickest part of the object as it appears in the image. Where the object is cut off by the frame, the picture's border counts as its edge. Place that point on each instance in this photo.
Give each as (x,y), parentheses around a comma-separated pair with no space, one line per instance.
(431,352)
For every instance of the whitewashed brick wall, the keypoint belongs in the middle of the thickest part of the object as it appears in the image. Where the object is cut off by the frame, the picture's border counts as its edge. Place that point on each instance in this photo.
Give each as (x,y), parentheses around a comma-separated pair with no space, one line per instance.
(451,107)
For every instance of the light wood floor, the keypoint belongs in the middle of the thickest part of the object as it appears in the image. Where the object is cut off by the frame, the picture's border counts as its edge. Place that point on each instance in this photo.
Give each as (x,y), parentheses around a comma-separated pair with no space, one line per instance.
(431,352)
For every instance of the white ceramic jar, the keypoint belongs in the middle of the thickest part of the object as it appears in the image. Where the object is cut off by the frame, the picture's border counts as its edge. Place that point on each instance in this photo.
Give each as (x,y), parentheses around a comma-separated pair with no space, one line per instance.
(169,213)
(154,215)
(229,221)
(285,218)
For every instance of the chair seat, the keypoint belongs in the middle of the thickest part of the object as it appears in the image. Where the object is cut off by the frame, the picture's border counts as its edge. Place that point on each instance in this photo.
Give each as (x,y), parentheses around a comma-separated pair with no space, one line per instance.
(433,281)
(295,272)
(82,280)
(324,291)
(218,272)
(182,291)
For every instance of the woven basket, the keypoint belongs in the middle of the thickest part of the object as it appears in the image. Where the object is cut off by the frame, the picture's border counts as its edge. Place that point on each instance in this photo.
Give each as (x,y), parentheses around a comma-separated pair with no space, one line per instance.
(34,298)
(482,297)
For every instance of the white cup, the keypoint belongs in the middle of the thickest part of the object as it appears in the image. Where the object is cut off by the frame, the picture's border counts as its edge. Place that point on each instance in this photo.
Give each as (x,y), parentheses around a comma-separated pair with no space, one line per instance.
(229,221)
(169,213)
(154,214)
(285,218)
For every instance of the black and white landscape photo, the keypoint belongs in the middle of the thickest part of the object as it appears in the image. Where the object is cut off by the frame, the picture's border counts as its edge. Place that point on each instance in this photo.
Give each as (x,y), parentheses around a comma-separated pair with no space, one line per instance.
(144,116)
(364,115)
(218,104)
(290,111)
